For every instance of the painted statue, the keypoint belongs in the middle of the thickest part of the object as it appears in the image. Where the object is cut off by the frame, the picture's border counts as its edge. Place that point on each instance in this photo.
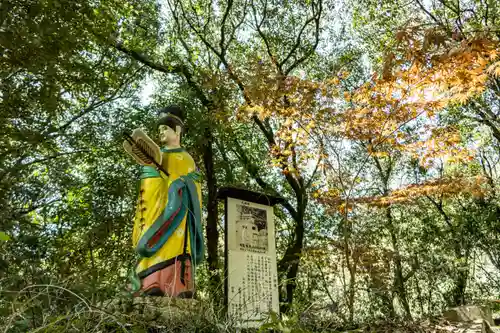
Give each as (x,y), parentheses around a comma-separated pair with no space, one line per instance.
(167,232)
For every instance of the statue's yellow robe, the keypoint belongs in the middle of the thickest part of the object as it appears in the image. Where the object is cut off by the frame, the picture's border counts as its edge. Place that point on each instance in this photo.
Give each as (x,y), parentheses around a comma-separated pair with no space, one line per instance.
(153,198)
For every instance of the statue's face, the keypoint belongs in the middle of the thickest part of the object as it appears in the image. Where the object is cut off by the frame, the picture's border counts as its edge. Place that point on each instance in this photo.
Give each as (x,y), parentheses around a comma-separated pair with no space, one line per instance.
(168,135)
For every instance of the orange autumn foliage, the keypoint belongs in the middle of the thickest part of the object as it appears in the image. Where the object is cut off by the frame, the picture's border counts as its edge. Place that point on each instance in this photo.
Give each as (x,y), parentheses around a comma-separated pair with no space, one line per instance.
(443,187)
(418,83)
(396,110)
(293,106)
(428,75)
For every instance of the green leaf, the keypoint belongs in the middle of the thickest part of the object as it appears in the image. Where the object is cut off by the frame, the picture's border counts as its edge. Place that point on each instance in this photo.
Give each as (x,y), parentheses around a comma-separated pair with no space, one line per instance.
(4,237)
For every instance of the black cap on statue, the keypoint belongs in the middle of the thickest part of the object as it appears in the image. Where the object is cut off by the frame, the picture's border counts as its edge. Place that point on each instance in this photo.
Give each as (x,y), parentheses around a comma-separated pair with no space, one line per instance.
(172,116)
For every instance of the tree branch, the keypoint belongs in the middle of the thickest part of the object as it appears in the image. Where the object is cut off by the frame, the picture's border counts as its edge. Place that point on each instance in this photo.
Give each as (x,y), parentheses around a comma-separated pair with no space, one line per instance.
(253,171)
(438,22)
(258,26)
(52,157)
(221,55)
(316,18)
(173,10)
(85,111)
(484,120)
(229,5)
(93,106)
(236,27)
(308,184)
(198,33)
(296,166)
(168,69)
(440,209)
(20,213)
(272,143)
(226,164)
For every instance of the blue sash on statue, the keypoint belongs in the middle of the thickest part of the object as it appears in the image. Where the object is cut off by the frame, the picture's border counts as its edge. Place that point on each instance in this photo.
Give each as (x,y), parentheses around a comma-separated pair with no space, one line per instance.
(182,200)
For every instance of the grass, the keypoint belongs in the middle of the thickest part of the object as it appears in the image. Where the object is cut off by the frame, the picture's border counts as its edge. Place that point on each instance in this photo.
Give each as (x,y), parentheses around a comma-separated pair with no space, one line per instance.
(56,309)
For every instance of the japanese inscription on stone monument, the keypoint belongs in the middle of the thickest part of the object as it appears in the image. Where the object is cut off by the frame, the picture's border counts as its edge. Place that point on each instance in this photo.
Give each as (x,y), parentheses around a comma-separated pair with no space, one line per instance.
(252,273)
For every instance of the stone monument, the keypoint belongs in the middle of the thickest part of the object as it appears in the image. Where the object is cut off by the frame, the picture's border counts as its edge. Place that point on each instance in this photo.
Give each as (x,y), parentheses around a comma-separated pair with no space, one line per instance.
(251,282)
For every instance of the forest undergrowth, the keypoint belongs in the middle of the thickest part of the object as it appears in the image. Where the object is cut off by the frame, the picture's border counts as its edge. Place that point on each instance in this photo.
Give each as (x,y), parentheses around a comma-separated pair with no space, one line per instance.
(51,309)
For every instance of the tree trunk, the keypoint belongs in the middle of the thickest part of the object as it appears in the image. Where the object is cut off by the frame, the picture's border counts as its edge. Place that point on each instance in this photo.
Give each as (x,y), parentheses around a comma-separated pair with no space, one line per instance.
(212,233)
(419,290)
(351,266)
(399,282)
(460,287)
(291,260)
(352,289)
(290,265)
(379,292)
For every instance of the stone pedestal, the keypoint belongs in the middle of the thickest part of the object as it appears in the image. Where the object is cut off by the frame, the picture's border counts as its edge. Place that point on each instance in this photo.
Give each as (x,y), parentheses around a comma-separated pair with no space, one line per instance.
(470,313)
(488,328)
(161,309)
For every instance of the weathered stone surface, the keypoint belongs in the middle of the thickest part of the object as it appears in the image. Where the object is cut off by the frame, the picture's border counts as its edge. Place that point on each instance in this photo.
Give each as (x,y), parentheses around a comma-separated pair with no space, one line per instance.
(460,327)
(468,314)
(488,328)
(164,309)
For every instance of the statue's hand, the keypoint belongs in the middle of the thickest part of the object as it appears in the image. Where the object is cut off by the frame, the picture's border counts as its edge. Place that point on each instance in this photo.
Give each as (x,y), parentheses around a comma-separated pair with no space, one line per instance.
(142,148)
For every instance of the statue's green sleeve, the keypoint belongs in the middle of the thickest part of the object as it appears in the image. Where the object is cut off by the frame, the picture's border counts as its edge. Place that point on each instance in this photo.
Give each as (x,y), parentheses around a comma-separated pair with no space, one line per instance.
(149,172)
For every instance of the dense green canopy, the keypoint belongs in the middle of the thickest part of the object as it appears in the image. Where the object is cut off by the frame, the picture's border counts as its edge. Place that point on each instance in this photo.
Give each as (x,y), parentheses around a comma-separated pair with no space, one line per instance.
(267,86)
